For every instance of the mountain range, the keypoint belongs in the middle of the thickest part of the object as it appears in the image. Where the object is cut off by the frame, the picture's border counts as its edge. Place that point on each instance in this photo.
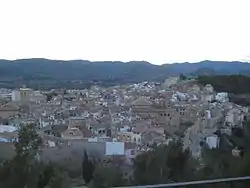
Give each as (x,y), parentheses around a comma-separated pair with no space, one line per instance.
(40,71)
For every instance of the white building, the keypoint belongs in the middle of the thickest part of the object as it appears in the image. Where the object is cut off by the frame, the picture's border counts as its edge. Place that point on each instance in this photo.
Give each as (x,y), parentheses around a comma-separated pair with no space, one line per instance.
(222,97)
(16,95)
(22,95)
(7,128)
(208,114)
(212,141)
(37,96)
(115,148)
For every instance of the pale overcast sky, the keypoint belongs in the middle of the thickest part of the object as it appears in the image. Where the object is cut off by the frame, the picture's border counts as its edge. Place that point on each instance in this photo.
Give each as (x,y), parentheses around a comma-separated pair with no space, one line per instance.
(158,31)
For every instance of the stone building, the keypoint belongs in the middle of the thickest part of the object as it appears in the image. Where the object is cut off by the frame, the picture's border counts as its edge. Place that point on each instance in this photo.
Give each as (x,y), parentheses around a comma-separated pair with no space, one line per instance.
(143,108)
(8,110)
(72,133)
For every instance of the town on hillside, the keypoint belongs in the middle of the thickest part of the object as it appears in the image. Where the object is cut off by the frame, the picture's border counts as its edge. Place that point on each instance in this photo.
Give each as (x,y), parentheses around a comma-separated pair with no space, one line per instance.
(116,124)
(121,120)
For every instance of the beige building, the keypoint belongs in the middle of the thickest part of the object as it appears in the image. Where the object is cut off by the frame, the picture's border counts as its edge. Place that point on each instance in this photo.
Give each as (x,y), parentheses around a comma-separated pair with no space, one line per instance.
(72,133)
(25,94)
(167,115)
(124,136)
(133,137)
(142,108)
(77,121)
(7,111)
(22,95)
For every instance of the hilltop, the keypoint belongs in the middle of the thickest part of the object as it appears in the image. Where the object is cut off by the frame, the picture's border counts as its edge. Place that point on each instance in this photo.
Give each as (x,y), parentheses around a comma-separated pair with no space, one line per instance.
(51,73)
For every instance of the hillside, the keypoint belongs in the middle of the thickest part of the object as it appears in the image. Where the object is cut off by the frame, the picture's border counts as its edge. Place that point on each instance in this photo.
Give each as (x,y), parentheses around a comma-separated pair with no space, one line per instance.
(42,73)
(235,85)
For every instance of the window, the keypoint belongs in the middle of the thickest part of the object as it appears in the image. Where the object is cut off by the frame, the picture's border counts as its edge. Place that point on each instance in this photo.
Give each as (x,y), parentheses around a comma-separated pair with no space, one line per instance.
(168,114)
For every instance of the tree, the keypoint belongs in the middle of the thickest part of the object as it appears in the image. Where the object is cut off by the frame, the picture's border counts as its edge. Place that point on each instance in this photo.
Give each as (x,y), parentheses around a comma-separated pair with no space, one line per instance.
(108,176)
(182,77)
(28,142)
(180,162)
(5,171)
(220,163)
(88,168)
(24,170)
(164,164)
(59,178)
(25,162)
(45,175)
(217,163)
(52,176)
(235,84)
(150,167)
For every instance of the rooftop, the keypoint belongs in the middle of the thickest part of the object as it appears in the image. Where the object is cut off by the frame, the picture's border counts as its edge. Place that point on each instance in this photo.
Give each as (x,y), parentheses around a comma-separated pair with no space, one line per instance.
(142,102)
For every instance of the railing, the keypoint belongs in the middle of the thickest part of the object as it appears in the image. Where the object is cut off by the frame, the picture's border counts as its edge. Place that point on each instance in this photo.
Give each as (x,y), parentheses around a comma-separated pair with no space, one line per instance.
(232,182)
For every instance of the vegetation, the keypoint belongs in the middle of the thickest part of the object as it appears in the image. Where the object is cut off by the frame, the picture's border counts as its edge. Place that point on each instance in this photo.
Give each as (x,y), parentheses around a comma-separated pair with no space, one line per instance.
(108,176)
(47,74)
(182,77)
(88,168)
(163,164)
(235,84)
(25,170)
(170,163)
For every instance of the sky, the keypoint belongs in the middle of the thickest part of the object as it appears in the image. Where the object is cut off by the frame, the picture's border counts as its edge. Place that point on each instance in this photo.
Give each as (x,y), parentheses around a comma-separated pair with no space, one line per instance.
(158,31)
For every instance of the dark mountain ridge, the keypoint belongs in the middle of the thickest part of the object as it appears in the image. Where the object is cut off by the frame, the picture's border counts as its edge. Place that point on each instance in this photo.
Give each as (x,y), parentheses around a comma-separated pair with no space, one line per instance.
(40,70)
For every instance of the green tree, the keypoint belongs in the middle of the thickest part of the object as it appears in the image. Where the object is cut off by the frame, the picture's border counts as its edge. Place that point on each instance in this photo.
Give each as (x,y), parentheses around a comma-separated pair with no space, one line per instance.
(88,168)
(44,177)
(21,171)
(52,176)
(108,176)
(235,84)
(217,163)
(180,162)
(29,142)
(164,164)
(182,77)
(24,170)
(59,178)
